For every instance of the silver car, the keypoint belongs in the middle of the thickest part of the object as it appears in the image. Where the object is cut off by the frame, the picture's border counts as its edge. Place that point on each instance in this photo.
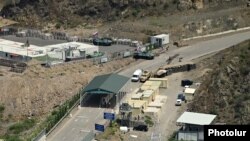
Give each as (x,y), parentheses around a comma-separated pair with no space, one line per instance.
(178,102)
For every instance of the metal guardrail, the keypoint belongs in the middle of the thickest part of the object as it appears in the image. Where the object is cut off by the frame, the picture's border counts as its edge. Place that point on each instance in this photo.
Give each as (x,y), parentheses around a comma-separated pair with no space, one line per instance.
(40,136)
(53,128)
(98,60)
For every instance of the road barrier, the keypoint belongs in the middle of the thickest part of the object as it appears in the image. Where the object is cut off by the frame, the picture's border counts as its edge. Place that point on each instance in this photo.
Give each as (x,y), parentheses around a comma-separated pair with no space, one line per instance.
(174,69)
(16,66)
(216,34)
(24,32)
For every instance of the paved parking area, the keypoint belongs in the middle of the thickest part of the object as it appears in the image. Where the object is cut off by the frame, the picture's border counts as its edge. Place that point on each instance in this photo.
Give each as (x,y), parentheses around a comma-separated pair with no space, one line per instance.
(32,40)
(41,42)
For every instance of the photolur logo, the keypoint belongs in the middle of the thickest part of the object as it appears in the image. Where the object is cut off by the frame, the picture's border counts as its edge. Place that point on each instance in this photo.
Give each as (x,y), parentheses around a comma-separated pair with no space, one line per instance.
(235,133)
(227,132)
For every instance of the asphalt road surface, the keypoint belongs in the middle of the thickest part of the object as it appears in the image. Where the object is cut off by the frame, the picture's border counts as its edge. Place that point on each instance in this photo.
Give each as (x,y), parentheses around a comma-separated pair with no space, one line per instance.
(190,52)
(166,126)
(78,126)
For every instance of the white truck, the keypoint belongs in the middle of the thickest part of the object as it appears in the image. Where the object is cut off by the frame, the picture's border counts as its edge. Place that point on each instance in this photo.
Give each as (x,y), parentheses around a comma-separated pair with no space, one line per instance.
(136,75)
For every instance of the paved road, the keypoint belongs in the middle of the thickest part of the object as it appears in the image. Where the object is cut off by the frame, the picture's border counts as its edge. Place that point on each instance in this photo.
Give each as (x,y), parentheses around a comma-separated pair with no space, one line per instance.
(188,53)
(75,128)
(191,52)
(167,120)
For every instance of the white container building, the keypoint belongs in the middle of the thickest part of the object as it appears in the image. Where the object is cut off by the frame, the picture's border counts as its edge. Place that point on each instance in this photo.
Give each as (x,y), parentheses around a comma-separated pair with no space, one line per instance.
(160,40)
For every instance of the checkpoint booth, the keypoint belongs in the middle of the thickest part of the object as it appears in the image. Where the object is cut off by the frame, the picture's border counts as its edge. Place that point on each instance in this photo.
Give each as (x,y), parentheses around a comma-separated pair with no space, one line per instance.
(192,125)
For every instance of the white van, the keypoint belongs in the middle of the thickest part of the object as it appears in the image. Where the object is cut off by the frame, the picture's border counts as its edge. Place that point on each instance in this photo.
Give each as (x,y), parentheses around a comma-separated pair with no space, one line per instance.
(136,75)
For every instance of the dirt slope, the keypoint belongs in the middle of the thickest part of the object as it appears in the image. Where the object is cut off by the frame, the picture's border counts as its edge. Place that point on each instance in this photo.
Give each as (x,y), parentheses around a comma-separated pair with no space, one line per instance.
(39,89)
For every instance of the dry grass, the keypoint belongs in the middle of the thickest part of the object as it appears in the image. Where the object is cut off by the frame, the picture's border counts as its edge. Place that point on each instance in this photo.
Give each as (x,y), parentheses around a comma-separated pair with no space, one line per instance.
(40,89)
(6,22)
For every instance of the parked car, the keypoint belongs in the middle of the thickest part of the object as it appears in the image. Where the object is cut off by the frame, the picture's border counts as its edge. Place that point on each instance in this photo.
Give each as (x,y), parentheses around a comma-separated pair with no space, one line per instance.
(178,102)
(186,82)
(181,96)
(95,54)
(143,55)
(102,42)
(141,128)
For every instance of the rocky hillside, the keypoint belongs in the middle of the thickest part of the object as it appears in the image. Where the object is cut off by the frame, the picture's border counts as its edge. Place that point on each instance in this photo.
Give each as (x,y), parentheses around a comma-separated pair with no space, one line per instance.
(225,90)
(74,12)
(134,19)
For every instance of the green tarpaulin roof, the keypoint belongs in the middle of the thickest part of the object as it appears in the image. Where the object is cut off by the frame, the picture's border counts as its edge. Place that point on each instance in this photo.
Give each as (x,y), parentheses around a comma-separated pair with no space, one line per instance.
(106,84)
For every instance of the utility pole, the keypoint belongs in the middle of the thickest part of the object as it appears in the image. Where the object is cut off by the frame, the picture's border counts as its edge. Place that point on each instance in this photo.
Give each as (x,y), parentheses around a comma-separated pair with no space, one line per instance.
(46,58)
(27,54)
(66,22)
(27,44)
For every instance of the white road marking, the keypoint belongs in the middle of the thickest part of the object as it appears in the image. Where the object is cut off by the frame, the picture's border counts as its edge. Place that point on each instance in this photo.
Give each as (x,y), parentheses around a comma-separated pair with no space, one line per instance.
(82,130)
(82,117)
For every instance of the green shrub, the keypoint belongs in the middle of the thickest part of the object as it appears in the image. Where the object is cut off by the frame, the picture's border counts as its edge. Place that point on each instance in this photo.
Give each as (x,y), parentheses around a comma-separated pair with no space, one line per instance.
(60,112)
(172,138)
(149,122)
(214,111)
(58,25)
(22,126)
(165,6)
(244,70)
(1,108)
(175,1)
(148,117)
(12,138)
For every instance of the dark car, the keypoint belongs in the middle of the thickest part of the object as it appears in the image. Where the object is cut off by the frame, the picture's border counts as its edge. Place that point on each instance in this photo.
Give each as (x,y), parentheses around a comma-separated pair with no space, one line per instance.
(141,128)
(143,55)
(186,82)
(102,41)
(181,96)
